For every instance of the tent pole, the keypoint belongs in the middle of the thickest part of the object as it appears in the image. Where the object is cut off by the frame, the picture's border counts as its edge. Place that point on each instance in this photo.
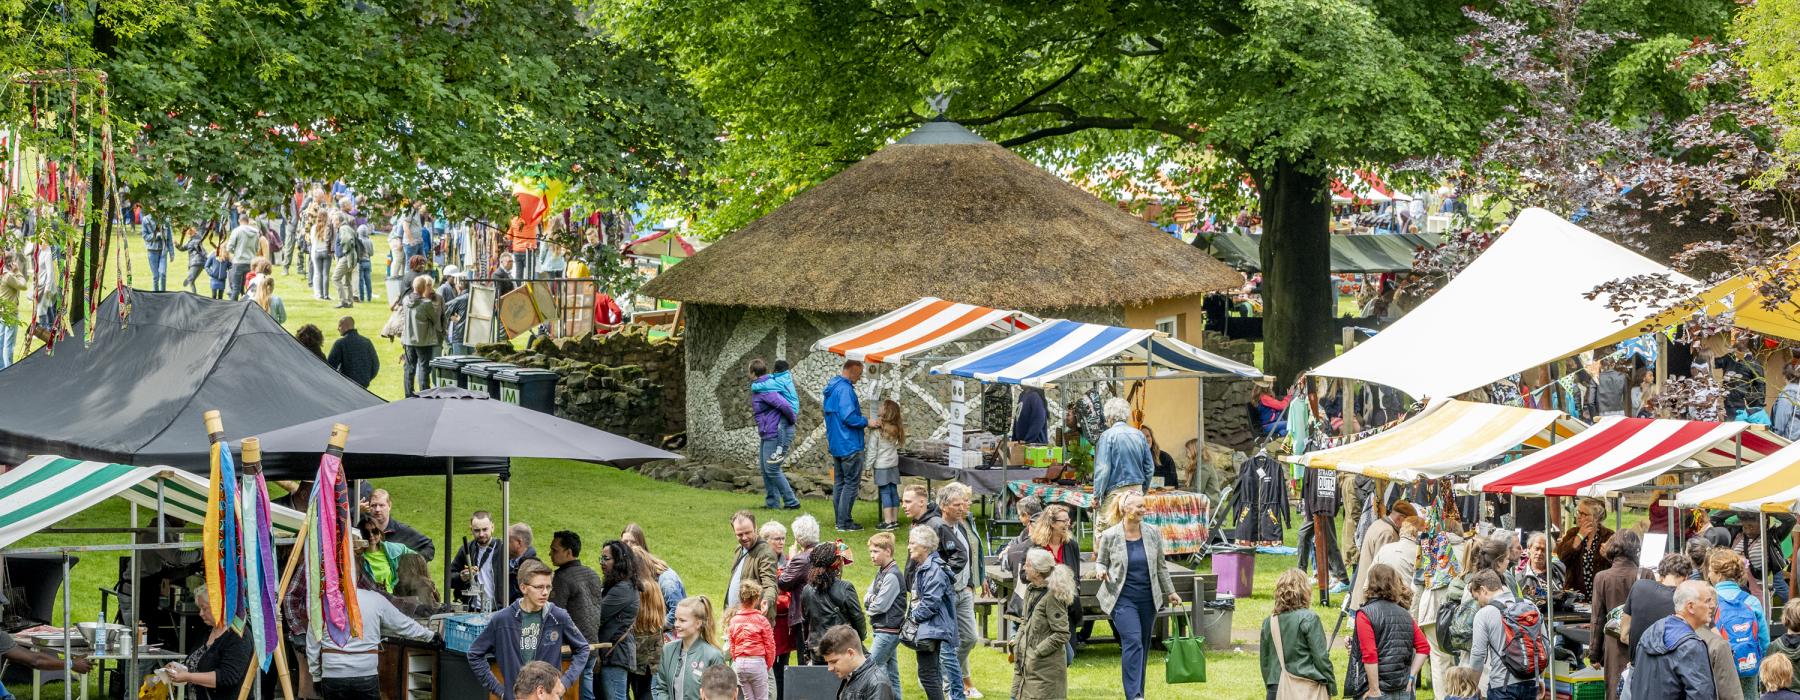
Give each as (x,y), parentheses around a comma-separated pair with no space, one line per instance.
(503,597)
(1550,595)
(130,634)
(68,644)
(1762,533)
(1199,433)
(161,502)
(449,504)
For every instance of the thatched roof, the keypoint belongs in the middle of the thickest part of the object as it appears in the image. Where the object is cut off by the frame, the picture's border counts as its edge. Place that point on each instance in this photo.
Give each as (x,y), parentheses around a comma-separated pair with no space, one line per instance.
(943,213)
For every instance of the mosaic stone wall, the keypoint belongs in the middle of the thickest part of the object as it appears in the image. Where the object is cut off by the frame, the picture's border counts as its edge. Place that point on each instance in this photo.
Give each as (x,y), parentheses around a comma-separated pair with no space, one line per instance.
(721,341)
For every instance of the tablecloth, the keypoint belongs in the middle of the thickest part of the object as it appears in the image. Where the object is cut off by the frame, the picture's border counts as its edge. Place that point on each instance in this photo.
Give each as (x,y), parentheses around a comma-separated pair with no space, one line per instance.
(984,482)
(1180,516)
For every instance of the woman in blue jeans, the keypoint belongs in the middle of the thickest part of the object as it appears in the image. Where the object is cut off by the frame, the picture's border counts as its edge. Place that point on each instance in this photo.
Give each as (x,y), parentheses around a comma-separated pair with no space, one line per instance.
(1133,583)
(933,609)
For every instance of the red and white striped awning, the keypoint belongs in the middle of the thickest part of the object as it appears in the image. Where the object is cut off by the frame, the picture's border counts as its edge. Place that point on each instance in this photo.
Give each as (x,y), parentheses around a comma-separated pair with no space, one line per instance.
(919,327)
(1616,453)
(1364,187)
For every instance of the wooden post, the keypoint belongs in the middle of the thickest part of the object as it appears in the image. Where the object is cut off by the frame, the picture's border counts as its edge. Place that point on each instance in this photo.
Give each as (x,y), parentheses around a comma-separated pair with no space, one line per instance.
(335,447)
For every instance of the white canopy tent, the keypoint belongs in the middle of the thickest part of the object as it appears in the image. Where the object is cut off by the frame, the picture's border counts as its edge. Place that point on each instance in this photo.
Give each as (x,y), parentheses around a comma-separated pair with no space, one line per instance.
(1521,304)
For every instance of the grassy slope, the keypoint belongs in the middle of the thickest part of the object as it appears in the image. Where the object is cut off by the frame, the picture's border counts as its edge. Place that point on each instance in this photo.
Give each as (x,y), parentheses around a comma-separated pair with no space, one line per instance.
(685,526)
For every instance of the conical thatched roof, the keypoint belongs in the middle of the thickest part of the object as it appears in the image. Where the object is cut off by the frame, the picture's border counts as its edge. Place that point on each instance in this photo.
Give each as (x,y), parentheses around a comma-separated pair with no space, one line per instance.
(943,213)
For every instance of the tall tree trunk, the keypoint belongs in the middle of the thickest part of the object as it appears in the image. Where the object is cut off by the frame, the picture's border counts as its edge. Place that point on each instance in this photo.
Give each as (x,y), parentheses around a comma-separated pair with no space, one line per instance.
(1296,264)
(87,259)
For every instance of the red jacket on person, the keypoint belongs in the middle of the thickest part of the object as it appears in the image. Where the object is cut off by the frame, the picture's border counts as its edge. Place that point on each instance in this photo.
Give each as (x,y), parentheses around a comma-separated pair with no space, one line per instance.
(749,634)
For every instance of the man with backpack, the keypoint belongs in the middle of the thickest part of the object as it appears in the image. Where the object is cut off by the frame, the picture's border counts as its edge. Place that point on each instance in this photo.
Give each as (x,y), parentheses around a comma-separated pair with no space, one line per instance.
(1670,661)
(1507,645)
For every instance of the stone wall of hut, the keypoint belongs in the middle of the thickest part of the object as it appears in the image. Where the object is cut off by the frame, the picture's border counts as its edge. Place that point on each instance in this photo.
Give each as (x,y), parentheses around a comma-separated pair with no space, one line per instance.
(721,341)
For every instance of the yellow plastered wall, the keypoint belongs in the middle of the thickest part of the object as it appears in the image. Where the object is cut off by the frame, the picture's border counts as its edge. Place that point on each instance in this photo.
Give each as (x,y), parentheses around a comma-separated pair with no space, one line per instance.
(1173,405)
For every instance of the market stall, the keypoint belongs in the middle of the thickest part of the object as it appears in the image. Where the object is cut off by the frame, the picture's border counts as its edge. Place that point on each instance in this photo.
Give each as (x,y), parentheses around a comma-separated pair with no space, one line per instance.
(46,489)
(1483,325)
(1183,518)
(1615,455)
(917,328)
(1448,437)
(1054,351)
(457,431)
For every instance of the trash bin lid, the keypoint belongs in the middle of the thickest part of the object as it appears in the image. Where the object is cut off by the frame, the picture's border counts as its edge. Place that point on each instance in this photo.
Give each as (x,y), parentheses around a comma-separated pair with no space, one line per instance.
(524,375)
(485,369)
(456,361)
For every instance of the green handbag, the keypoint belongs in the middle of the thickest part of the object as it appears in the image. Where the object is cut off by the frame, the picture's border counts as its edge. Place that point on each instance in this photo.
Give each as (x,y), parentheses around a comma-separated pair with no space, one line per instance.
(1187,660)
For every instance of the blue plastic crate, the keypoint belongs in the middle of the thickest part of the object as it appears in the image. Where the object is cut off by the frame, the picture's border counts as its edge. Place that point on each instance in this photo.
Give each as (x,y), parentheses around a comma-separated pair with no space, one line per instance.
(460,631)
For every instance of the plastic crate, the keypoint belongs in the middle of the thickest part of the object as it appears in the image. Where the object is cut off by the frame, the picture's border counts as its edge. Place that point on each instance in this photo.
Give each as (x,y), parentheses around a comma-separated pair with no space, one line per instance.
(460,631)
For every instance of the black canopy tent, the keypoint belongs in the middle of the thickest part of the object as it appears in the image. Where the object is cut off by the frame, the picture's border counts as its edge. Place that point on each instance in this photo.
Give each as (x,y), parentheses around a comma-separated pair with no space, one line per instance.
(134,394)
(451,428)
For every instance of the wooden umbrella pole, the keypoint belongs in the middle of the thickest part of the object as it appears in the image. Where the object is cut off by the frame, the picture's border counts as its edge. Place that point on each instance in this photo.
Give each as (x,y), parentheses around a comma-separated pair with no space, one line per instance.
(251,452)
(335,446)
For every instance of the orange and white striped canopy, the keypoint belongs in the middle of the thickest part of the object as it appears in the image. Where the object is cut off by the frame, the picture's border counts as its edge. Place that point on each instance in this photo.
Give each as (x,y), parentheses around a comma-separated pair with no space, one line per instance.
(919,327)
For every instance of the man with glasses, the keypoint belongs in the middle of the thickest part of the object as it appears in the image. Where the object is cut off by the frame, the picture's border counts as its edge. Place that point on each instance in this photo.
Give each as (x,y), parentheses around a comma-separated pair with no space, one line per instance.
(530,629)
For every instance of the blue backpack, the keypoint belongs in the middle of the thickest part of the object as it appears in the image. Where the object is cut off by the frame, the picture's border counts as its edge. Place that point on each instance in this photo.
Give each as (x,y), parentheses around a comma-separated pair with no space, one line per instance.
(1738,625)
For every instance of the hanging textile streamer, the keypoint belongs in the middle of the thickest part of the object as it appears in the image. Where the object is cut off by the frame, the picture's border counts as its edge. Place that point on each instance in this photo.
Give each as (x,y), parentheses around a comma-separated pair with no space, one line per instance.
(259,555)
(330,556)
(1437,565)
(221,537)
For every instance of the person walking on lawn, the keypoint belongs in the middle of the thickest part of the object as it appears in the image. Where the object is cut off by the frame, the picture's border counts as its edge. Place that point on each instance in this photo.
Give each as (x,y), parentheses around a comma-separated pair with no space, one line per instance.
(844,424)
(352,355)
(1134,583)
(954,500)
(530,629)
(773,415)
(242,246)
(195,245)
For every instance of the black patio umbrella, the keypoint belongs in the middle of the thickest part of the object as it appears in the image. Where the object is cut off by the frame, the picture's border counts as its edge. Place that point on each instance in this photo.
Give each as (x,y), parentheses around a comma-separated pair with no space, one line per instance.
(447,430)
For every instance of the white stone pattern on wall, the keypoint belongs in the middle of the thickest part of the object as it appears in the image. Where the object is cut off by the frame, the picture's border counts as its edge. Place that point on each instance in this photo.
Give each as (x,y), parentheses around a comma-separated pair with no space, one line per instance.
(721,342)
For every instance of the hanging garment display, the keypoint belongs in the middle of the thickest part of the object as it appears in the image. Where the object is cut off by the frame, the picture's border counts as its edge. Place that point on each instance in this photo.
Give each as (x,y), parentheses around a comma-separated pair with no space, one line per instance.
(1260,501)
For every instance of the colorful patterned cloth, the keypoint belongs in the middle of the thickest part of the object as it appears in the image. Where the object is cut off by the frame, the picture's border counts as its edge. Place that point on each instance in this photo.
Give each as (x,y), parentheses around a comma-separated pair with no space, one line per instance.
(1180,516)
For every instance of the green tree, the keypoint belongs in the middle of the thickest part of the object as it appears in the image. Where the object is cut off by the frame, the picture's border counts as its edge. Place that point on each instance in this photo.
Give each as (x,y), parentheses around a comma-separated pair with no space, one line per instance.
(1286,91)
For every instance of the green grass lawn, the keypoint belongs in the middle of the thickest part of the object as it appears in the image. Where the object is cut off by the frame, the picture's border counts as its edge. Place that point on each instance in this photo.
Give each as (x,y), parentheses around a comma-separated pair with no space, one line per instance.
(688,527)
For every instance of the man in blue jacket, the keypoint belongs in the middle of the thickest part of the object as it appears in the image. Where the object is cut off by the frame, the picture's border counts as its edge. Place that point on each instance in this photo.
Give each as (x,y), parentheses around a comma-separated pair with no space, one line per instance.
(844,424)
(531,629)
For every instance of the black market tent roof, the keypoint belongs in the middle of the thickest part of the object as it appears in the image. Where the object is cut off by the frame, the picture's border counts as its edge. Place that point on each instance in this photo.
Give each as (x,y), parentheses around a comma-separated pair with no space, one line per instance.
(450,429)
(136,393)
(1360,253)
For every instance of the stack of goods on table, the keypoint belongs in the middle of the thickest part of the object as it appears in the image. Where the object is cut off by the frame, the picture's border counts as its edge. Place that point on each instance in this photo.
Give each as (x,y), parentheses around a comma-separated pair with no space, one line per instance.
(1585,684)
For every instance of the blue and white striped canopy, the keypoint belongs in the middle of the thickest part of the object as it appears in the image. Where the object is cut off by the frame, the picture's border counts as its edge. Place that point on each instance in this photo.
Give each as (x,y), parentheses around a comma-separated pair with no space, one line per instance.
(1043,354)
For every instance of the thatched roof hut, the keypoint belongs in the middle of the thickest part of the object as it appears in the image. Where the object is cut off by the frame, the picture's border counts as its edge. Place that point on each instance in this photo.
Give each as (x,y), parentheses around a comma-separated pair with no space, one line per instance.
(944,213)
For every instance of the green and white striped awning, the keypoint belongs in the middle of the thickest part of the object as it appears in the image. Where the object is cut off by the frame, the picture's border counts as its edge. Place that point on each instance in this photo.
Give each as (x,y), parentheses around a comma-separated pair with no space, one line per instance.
(46,489)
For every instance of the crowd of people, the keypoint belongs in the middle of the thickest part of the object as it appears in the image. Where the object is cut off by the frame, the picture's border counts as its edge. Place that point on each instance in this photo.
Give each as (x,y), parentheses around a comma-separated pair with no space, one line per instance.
(791,600)
(1693,627)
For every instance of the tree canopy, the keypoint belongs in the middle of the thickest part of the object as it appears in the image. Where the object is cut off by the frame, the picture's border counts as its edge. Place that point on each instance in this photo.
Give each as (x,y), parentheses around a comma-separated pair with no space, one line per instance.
(1285,92)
